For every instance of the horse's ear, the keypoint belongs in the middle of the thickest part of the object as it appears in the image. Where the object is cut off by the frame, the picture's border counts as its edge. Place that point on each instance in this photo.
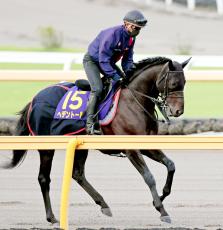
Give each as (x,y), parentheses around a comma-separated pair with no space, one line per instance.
(171,66)
(185,62)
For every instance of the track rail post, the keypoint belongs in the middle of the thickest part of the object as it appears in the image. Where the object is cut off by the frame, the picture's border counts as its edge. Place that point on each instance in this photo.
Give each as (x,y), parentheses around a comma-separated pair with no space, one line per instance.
(68,169)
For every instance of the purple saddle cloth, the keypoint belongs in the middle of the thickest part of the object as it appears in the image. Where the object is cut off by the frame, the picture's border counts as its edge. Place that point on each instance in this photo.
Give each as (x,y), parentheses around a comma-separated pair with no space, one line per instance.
(73,105)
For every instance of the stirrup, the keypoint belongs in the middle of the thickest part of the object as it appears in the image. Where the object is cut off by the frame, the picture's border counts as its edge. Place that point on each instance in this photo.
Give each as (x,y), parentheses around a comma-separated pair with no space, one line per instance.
(91,130)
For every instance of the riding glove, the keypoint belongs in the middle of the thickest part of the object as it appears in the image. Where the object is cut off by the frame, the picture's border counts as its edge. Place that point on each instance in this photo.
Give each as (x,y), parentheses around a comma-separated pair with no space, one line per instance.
(130,71)
(116,77)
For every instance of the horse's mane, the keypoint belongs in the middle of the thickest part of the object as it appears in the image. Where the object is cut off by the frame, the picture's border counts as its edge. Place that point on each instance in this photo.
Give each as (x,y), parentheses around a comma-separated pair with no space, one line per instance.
(144,64)
(151,61)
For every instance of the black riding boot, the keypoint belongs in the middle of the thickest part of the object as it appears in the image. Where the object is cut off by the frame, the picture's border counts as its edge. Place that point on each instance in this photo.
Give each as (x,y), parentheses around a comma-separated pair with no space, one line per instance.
(92,123)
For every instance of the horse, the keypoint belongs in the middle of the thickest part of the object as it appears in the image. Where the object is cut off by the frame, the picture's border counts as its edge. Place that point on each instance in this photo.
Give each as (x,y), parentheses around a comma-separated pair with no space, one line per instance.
(154,81)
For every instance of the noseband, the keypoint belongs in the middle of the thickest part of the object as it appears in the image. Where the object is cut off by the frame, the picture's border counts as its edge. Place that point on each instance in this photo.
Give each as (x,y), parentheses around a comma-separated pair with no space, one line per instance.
(166,92)
(160,102)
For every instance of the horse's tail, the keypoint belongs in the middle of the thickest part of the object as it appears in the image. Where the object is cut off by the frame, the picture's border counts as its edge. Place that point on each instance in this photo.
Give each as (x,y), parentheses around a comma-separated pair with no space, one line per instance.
(21,130)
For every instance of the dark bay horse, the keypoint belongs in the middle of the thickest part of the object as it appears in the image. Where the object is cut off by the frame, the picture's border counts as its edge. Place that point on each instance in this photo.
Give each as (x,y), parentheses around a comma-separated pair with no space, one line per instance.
(157,80)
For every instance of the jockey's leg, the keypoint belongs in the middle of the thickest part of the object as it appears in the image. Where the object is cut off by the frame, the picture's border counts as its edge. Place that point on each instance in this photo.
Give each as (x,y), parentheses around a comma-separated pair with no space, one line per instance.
(92,119)
(93,74)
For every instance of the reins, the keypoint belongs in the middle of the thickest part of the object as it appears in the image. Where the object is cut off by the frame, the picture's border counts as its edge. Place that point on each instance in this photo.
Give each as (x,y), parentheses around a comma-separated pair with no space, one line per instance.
(140,105)
(158,102)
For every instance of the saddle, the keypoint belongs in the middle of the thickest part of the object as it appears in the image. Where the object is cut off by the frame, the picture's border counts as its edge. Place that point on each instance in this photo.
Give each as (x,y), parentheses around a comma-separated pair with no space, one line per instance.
(108,85)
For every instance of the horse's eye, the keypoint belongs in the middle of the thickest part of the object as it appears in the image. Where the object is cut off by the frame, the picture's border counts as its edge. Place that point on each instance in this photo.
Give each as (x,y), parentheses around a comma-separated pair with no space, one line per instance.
(173,85)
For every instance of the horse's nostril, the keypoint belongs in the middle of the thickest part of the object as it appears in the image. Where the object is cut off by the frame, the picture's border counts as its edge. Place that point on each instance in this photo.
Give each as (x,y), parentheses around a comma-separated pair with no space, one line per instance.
(179,112)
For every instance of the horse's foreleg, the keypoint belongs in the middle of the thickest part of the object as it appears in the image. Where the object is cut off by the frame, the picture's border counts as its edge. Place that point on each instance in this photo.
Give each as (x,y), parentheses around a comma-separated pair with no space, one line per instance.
(79,176)
(160,157)
(139,163)
(46,157)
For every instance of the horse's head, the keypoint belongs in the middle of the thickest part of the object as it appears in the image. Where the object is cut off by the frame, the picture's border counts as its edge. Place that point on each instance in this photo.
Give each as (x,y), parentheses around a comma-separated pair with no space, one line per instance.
(170,84)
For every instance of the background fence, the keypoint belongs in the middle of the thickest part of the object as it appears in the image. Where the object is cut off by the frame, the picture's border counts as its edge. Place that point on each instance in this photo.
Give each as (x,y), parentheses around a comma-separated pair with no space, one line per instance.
(67,59)
(190,4)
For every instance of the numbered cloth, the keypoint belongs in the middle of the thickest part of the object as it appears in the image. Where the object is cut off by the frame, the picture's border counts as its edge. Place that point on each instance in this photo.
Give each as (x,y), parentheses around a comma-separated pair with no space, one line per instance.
(64,107)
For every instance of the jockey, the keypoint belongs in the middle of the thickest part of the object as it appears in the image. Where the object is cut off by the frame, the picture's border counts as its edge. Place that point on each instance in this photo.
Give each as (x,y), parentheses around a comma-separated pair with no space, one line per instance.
(104,51)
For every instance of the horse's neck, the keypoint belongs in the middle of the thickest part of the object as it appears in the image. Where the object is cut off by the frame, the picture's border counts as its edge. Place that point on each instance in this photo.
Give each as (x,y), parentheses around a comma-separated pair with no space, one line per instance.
(146,81)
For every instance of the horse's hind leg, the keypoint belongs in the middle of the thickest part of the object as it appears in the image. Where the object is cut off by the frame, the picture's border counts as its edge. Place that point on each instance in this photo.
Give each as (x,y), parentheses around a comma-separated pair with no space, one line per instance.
(46,157)
(139,163)
(79,176)
(160,157)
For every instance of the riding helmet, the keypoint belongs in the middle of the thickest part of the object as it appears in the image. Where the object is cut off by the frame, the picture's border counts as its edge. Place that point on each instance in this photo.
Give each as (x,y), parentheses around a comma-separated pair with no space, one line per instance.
(135,17)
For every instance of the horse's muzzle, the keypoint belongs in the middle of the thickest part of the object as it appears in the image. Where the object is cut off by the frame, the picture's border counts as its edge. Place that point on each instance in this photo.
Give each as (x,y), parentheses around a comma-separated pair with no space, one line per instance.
(174,112)
(175,105)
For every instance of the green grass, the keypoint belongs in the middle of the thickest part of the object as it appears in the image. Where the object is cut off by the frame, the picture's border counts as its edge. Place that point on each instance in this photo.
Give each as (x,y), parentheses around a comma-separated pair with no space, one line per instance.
(15,95)
(202,99)
(28,66)
(206,68)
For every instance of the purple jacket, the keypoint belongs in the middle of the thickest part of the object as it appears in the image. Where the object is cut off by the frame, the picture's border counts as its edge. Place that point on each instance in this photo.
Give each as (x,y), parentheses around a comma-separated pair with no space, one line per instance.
(109,46)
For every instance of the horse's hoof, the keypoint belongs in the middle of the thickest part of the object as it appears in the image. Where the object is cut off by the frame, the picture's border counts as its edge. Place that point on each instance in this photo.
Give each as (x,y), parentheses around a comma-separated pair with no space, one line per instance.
(52,220)
(106,211)
(56,225)
(165,219)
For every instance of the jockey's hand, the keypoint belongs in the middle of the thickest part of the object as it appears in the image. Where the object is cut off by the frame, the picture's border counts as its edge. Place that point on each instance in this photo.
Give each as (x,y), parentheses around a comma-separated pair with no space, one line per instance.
(123,82)
(120,80)
(116,77)
(130,71)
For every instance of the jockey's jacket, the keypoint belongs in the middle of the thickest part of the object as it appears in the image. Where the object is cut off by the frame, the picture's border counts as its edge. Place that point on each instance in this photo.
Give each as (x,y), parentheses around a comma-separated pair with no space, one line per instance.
(110,46)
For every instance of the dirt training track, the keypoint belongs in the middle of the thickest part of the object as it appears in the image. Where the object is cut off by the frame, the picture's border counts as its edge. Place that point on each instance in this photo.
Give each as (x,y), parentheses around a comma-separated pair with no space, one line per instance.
(196,200)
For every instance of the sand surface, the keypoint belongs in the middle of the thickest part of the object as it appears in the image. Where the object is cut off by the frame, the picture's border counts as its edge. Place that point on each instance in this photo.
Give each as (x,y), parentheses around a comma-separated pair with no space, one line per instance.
(195,202)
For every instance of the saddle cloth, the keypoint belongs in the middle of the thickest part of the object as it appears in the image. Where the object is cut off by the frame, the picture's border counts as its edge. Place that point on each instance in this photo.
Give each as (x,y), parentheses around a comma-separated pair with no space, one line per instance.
(64,107)
(73,105)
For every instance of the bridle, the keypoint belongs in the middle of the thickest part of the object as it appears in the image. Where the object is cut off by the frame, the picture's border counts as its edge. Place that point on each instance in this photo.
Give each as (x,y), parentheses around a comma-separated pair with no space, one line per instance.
(160,101)
(166,93)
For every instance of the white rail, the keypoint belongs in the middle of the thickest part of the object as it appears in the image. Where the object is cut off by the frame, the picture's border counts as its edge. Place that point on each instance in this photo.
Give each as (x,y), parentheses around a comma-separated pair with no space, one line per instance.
(67,59)
(191,4)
